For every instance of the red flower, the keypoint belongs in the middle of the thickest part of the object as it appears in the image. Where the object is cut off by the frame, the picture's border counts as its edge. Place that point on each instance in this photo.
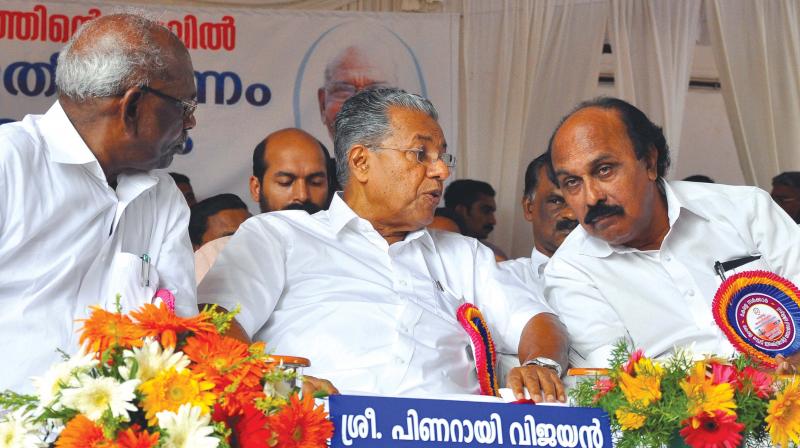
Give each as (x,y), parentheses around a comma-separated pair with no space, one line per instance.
(717,430)
(301,425)
(635,357)
(251,428)
(602,386)
(760,381)
(160,323)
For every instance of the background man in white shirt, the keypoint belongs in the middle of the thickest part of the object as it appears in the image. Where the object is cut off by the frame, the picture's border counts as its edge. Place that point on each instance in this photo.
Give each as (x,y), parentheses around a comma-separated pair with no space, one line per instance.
(77,235)
(551,219)
(641,265)
(364,290)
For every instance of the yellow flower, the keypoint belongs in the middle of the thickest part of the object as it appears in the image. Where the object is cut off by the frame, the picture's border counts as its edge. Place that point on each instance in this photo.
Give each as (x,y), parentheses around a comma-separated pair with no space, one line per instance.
(644,387)
(704,395)
(783,415)
(169,389)
(629,420)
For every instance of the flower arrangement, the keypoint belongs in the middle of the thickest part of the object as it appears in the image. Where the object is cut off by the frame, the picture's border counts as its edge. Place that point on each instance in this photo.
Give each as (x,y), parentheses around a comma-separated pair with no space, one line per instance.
(152,379)
(707,403)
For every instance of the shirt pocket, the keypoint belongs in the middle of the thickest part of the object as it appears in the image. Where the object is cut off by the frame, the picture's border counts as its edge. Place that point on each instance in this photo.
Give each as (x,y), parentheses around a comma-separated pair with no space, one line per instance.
(132,279)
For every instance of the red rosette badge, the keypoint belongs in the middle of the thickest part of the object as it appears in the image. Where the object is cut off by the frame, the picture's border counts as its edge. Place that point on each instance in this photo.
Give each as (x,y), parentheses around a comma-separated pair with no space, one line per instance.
(759,313)
(471,320)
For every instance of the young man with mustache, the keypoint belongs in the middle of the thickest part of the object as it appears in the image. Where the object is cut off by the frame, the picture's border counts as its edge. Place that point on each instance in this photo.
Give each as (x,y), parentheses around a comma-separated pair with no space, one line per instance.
(641,266)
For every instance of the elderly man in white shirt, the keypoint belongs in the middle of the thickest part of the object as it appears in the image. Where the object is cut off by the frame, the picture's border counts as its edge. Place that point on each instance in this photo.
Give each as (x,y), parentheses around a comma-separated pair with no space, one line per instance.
(82,217)
(641,266)
(364,290)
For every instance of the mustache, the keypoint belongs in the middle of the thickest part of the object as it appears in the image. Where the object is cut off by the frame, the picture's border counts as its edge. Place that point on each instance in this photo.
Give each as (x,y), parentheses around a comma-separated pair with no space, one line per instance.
(566,224)
(601,210)
(308,206)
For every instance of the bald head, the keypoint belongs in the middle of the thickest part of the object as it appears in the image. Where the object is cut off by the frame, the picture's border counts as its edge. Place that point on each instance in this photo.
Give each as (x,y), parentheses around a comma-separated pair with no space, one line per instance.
(290,171)
(113,53)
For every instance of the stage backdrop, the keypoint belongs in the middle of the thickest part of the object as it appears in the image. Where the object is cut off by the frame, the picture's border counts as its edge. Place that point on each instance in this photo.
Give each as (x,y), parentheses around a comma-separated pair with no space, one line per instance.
(256,71)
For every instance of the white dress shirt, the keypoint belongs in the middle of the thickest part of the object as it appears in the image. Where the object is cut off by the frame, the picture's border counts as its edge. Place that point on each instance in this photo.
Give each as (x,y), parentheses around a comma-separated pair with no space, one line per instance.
(205,257)
(661,299)
(371,317)
(68,241)
(529,271)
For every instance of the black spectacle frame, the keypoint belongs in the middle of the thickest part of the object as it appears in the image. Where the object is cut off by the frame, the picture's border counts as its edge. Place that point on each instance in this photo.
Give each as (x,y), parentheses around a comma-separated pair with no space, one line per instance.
(188,106)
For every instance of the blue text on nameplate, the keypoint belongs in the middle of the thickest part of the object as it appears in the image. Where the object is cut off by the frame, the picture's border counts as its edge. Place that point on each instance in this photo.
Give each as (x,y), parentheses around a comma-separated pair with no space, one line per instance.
(376,422)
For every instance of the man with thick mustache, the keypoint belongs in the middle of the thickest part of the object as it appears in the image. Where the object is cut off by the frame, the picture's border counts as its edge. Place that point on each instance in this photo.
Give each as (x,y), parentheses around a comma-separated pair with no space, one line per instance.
(641,266)
(364,290)
(552,220)
(83,214)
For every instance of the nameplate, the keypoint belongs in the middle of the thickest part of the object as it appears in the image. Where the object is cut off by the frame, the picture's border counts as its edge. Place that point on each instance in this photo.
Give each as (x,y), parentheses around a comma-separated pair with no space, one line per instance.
(405,422)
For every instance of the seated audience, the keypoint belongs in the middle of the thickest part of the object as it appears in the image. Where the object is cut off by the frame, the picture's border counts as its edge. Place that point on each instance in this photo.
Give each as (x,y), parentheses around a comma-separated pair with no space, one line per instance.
(212,222)
(183,183)
(786,193)
(364,290)
(699,178)
(446,219)
(641,264)
(473,202)
(216,217)
(84,213)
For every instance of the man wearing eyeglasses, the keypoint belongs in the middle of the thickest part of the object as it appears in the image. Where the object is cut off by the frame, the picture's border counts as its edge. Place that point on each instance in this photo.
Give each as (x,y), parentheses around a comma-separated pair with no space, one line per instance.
(364,290)
(82,215)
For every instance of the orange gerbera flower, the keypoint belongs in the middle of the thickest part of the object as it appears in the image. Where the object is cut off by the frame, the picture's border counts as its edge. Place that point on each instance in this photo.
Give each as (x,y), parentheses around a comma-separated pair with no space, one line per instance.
(104,329)
(159,322)
(224,361)
(81,432)
(301,425)
(135,438)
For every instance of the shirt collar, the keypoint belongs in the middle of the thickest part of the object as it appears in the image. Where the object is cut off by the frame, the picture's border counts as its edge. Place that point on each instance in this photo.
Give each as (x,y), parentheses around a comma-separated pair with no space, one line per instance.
(340,215)
(676,204)
(538,261)
(62,140)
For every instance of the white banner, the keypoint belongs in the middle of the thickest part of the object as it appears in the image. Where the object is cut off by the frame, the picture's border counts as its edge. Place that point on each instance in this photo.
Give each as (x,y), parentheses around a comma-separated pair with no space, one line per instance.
(257,71)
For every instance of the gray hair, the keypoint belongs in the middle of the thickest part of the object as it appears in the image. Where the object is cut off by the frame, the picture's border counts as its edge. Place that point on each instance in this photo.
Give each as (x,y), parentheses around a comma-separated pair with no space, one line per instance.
(364,120)
(121,54)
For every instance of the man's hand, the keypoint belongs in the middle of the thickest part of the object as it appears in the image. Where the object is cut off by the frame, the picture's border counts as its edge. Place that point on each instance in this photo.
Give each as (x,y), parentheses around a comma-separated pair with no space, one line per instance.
(312,385)
(787,366)
(542,383)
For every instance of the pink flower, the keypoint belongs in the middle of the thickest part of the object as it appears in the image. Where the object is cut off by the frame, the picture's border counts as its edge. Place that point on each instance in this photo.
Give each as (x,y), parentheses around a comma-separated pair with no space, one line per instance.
(635,357)
(760,381)
(723,373)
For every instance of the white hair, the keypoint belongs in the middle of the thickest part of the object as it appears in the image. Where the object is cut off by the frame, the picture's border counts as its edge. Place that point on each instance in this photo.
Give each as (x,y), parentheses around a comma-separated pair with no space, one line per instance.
(116,59)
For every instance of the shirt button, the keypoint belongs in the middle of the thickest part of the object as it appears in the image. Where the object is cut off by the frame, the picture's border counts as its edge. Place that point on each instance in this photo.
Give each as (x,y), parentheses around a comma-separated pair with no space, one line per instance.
(403,282)
(691,293)
(399,360)
(667,258)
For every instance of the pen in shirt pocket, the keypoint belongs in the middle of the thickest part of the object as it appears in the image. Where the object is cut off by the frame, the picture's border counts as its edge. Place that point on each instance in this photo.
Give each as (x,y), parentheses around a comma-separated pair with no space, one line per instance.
(145,269)
(722,267)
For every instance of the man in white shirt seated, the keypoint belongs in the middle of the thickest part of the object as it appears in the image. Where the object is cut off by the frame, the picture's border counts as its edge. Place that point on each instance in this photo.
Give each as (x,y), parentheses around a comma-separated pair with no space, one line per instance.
(364,290)
(641,265)
(82,216)
(552,220)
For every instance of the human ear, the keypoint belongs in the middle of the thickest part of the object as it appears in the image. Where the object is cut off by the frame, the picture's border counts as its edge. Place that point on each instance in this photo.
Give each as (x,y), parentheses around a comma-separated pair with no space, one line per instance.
(527,208)
(652,163)
(255,189)
(130,108)
(358,161)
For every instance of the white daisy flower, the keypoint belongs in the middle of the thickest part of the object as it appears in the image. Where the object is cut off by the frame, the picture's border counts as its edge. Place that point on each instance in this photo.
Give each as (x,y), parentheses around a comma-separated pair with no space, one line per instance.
(151,360)
(17,431)
(94,396)
(189,428)
(61,375)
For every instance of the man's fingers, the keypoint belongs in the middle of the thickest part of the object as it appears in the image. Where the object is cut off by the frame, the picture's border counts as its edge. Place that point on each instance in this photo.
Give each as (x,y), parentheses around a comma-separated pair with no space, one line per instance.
(312,385)
(514,381)
(532,383)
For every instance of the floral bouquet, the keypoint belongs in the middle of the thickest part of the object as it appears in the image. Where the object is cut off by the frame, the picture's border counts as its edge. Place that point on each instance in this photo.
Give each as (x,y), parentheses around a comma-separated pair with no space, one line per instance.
(152,379)
(707,403)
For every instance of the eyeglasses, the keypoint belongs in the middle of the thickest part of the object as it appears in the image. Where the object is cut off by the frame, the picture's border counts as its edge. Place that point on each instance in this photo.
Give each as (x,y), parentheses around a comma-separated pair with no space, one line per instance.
(342,91)
(188,106)
(427,157)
